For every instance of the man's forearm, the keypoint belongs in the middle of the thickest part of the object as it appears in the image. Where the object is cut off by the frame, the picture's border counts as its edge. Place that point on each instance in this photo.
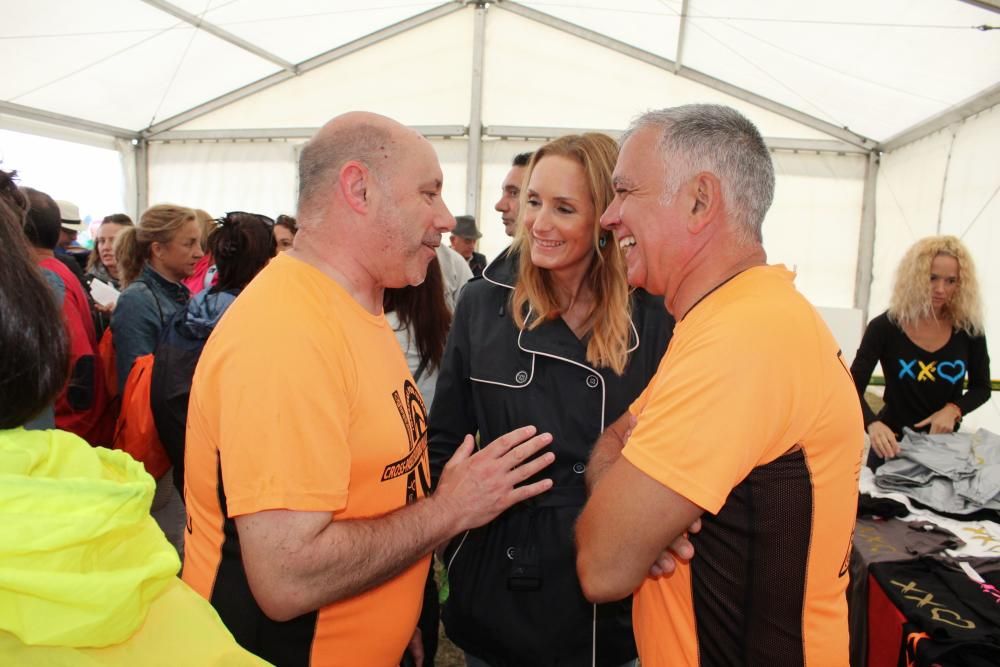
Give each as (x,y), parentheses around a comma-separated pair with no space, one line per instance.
(348,557)
(606,451)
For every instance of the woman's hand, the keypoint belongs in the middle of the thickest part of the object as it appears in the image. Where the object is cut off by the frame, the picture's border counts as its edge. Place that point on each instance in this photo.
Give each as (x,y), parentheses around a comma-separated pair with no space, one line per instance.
(942,421)
(883,440)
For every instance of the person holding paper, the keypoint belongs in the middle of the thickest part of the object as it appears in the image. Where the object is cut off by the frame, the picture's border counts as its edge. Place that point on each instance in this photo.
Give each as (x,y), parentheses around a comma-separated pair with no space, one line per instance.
(102,269)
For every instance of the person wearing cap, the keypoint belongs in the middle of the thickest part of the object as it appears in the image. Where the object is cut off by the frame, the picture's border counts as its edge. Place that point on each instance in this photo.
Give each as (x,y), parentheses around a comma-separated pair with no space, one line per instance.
(70,224)
(463,240)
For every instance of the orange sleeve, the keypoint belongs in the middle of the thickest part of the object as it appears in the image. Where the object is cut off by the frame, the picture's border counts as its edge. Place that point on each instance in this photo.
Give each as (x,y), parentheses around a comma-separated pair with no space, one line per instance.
(712,412)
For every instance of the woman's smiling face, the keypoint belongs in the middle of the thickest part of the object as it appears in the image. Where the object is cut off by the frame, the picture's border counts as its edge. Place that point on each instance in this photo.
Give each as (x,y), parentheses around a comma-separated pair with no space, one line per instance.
(559,214)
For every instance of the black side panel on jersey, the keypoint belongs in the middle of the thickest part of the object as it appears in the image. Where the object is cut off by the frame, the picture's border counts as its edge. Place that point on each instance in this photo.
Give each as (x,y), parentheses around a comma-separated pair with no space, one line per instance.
(749,571)
(285,644)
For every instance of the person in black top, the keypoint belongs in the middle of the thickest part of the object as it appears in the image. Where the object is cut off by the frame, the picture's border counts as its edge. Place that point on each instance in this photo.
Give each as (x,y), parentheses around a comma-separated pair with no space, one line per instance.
(550,335)
(928,341)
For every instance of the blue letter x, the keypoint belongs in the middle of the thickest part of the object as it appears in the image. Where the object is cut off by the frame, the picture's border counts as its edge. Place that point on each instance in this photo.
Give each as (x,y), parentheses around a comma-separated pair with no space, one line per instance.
(907,369)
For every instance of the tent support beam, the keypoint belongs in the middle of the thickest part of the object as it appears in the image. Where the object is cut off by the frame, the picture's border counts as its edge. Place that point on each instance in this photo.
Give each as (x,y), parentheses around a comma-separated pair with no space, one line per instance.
(250,134)
(989,5)
(956,114)
(224,35)
(474,174)
(303,67)
(866,238)
(65,121)
(774,143)
(688,73)
(141,177)
(680,36)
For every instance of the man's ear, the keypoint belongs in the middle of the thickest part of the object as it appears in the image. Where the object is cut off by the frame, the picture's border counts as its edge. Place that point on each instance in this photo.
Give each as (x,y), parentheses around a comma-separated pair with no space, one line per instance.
(706,200)
(354,179)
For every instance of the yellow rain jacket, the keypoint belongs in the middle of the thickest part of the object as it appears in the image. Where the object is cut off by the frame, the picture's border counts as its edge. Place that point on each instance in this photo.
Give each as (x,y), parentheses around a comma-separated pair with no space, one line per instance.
(86,575)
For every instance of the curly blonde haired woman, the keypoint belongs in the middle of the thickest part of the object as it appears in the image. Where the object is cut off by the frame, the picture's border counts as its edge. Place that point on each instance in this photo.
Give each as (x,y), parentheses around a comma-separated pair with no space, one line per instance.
(928,341)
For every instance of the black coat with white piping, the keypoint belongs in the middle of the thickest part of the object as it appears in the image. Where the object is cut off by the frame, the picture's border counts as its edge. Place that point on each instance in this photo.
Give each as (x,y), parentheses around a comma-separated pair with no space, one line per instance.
(514,595)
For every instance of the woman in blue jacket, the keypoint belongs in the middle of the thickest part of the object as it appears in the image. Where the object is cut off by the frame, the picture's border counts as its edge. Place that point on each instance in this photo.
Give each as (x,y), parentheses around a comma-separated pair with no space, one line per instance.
(550,336)
(153,258)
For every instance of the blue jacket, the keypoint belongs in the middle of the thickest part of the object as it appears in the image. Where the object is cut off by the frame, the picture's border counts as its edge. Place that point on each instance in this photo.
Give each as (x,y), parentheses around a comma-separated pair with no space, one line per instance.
(143,309)
(177,355)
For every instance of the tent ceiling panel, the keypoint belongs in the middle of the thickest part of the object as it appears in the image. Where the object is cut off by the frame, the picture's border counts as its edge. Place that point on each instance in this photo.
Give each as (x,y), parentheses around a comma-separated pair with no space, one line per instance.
(539,81)
(877,68)
(299,30)
(126,79)
(651,25)
(419,77)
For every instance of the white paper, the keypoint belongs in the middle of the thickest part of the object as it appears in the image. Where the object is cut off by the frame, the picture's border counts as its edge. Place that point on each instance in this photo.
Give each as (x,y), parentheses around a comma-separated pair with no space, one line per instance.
(103,293)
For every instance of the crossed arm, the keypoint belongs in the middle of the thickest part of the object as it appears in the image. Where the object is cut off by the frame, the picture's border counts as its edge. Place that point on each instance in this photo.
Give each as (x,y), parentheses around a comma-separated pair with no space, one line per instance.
(627,521)
(297,562)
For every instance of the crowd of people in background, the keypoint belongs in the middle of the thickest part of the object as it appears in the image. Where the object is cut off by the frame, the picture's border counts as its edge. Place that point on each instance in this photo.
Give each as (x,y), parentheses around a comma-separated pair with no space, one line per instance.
(322,401)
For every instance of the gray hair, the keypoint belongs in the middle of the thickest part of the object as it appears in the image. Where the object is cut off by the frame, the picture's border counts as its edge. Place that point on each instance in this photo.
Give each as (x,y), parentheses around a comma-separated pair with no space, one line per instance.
(720,140)
(325,154)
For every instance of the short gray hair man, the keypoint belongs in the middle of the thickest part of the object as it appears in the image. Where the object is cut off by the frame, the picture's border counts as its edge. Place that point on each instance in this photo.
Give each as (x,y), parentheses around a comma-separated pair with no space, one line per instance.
(720,140)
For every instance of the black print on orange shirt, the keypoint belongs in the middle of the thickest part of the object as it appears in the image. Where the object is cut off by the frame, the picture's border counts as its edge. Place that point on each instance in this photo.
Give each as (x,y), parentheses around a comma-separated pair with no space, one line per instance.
(414,465)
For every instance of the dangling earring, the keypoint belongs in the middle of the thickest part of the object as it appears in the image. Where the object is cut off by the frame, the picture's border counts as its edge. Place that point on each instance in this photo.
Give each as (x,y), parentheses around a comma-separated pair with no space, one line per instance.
(602,241)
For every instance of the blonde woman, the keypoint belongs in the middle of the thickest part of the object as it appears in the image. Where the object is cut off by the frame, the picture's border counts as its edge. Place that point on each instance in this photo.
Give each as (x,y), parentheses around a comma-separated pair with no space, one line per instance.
(550,336)
(928,342)
(153,257)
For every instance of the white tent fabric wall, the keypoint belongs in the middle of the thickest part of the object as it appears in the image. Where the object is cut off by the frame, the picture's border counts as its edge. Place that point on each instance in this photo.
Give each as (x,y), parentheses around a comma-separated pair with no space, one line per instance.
(256,176)
(813,224)
(946,183)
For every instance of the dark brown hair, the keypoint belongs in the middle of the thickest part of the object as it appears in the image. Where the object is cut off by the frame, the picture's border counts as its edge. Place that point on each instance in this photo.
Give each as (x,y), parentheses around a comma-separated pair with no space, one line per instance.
(423,307)
(42,223)
(288,222)
(34,364)
(241,246)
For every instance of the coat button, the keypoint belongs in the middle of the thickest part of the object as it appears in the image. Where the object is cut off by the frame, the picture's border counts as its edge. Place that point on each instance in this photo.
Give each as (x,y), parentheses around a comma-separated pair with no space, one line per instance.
(579,467)
(521,377)
(593,381)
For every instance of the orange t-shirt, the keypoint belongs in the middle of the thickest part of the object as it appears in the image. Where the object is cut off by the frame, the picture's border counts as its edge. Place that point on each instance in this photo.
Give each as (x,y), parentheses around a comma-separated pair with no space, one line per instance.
(302,400)
(752,416)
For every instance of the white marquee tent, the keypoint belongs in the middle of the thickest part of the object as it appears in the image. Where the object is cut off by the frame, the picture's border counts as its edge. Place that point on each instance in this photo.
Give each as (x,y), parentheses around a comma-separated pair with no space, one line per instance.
(883,117)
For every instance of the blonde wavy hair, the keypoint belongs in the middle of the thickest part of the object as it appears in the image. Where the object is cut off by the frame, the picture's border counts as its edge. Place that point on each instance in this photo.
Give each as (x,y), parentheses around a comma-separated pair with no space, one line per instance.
(911,293)
(609,316)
